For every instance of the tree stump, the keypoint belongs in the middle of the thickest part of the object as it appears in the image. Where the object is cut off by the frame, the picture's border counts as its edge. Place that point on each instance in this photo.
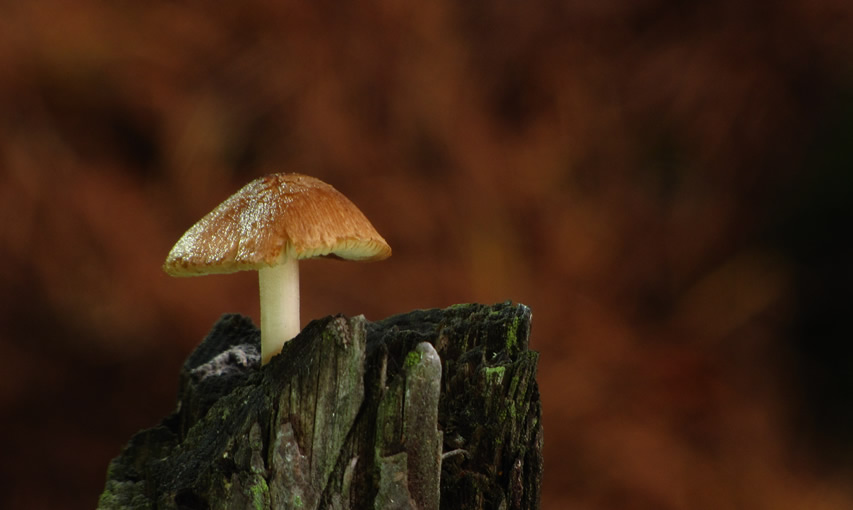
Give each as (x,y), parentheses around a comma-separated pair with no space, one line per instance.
(428,409)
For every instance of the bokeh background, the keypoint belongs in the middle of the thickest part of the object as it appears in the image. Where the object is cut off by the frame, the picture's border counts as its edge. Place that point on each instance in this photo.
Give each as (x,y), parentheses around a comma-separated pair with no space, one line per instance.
(666,184)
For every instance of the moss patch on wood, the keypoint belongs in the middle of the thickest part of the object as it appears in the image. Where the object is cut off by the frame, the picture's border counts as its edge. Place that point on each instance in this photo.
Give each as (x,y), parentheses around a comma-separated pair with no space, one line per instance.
(425,409)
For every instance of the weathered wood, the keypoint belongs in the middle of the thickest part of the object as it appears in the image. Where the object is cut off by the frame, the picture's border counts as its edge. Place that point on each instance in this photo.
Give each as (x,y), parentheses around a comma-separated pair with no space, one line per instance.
(429,409)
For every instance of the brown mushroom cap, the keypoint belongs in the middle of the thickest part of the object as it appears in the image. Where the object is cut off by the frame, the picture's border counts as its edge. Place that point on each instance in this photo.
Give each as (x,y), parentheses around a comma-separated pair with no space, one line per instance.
(272,218)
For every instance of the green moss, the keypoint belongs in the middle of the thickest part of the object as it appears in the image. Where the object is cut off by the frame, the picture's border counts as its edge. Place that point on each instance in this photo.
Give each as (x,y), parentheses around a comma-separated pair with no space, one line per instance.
(513,409)
(509,409)
(412,359)
(124,495)
(500,308)
(513,384)
(512,334)
(260,494)
(495,374)
(502,414)
(106,500)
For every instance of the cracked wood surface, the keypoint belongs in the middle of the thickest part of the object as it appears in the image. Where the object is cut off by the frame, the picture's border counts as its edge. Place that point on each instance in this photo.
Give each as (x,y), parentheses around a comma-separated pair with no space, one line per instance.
(428,409)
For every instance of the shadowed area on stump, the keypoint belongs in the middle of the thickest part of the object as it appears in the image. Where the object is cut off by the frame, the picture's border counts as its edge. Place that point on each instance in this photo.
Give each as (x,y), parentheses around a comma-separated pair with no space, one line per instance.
(428,408)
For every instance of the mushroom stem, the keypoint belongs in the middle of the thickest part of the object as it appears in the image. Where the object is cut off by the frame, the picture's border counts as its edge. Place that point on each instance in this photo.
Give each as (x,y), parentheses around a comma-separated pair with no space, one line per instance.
(279,306)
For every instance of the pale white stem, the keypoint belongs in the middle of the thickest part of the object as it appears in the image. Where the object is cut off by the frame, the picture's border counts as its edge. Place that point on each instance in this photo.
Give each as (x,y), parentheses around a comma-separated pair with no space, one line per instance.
(279,306)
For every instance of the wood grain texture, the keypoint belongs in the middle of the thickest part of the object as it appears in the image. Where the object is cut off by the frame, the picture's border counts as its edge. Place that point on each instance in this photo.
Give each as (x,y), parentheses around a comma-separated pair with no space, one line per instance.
(429,409)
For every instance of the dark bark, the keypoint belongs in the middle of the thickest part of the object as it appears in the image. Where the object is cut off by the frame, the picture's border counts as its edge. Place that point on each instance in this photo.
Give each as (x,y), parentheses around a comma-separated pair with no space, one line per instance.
(425,409)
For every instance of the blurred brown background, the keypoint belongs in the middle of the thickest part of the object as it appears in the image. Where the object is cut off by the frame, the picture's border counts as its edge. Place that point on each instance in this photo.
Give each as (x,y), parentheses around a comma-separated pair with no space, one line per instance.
(666,184)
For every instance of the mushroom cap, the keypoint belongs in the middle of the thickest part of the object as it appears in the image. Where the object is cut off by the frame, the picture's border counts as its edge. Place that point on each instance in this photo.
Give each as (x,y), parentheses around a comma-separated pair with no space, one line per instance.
(273,218)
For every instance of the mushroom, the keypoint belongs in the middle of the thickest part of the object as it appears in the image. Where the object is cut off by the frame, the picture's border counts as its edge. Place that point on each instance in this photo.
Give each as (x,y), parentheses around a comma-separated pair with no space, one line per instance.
(268,226)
